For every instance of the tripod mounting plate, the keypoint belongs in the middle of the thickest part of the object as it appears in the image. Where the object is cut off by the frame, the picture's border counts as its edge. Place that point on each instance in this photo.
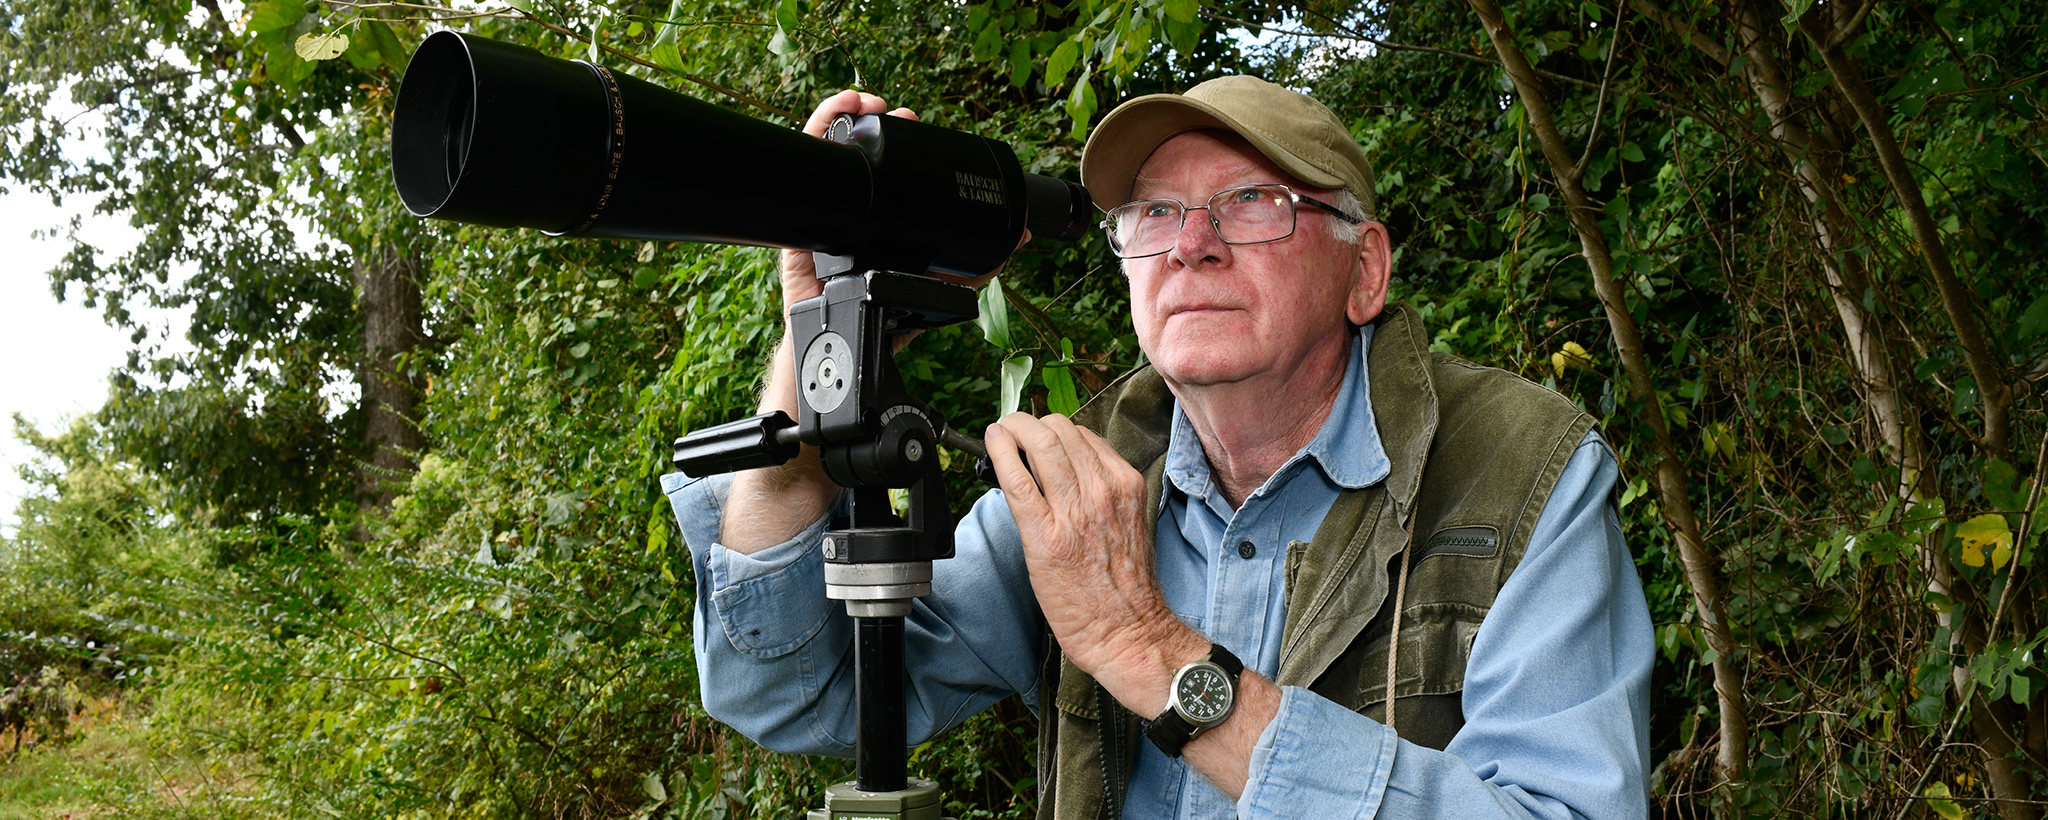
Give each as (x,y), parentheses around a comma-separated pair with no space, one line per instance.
(826,367)
(844,801)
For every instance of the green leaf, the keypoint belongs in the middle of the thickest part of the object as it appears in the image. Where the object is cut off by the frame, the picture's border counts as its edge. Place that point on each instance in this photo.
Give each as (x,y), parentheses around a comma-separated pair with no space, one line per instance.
(995,314)
(2034,321)
(271,15)
(1081,107)
(389,49)
(651,785)
(1062,60)
(1793,11)
(789,14)
(521,5)
(1016,373)
(1946,808)
(779,44)
(634,29)
(1020,63)
(580,350)
(1539,202)
(317,47)
(1061,395)
(1633,491)
(2022,689)
(987,43)
(1631,152)
(2002,486)
(1181,11)
(657,526)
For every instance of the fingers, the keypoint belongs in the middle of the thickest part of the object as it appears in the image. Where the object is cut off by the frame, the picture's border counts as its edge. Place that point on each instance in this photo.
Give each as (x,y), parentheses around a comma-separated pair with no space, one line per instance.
(844,102)
(1068,463)
(851,102)
(1012,476)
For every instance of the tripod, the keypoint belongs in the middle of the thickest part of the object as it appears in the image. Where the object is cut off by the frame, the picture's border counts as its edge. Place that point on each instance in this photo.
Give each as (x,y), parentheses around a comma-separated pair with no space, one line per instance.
(873,436)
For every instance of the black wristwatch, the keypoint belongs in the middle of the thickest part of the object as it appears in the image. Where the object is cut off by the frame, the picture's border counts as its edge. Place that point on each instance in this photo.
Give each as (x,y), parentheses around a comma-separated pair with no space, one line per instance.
(1203,695)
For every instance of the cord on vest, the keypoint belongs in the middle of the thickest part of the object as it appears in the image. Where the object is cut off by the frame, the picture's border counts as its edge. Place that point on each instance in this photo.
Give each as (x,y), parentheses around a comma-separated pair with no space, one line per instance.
(1400,602)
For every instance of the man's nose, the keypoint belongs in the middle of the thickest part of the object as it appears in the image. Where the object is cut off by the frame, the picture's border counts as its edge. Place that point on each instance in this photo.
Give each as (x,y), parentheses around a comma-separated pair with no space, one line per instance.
(1199,243)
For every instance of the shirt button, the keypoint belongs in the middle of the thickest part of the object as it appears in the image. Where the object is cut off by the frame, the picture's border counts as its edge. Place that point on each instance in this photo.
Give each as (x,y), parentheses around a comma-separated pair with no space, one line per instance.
(1246,550)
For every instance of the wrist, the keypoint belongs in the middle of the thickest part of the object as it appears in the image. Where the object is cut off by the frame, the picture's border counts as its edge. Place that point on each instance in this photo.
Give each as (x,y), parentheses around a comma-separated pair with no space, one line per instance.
(1139,671)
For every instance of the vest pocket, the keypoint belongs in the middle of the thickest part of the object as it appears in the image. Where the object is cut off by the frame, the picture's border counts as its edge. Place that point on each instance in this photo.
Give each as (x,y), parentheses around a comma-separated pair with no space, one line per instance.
(1456,565)
(1471,542)
(1436,641)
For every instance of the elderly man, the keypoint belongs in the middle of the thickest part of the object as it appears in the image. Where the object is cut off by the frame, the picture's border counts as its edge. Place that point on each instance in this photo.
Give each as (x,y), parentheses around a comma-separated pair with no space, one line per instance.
(1242,552)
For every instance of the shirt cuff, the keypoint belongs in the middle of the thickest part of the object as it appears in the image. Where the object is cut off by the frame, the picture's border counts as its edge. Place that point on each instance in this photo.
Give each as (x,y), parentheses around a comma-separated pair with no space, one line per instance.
(768,603)
(1293,773)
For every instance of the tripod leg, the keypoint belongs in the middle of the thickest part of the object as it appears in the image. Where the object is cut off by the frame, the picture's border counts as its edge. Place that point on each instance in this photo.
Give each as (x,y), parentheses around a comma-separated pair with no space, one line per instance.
(881,747)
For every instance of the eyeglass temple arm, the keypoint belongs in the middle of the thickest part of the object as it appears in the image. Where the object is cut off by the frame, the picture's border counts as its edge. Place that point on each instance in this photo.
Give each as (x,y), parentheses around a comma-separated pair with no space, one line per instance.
(1334,210)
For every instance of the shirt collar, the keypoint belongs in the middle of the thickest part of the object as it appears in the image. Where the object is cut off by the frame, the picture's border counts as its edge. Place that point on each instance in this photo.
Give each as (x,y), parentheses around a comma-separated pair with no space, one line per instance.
(1347,448)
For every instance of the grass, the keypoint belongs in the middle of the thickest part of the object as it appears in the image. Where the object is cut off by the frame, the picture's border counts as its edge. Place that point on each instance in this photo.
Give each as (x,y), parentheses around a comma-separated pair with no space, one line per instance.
(113,764)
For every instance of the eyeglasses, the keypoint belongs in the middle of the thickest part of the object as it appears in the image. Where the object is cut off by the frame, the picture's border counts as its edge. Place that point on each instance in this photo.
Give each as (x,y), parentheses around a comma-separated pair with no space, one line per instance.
(1241,216)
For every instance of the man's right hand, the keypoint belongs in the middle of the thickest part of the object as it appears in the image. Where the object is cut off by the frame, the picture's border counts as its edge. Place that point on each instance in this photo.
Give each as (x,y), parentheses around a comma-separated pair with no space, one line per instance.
(799,273)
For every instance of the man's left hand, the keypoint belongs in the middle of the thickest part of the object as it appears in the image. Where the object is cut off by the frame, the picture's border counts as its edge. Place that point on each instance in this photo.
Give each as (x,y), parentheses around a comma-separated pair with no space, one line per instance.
(1080,509)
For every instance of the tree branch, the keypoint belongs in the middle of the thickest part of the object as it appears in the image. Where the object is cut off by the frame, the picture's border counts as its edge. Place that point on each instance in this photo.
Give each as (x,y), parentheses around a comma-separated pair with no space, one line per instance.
(1684,31)
(1350,34)
(636,60)
(1600,106)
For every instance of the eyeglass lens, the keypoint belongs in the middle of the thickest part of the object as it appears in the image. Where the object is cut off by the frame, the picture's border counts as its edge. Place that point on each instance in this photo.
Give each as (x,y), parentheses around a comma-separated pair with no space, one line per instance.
(1241,216)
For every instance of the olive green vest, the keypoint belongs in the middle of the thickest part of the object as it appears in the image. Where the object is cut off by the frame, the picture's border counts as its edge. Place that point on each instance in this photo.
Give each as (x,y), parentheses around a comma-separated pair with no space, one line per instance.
(1475,452)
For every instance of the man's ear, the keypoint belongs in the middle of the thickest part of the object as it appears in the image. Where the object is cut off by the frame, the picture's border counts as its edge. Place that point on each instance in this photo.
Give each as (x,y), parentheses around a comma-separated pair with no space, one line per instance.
(1375,266)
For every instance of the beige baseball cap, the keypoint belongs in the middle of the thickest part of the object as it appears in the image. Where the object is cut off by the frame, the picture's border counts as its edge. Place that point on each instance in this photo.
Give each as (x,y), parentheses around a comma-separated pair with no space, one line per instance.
(1299,134)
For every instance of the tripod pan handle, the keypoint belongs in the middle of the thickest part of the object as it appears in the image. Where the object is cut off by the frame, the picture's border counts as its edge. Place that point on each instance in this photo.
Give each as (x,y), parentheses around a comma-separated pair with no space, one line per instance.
(765,440)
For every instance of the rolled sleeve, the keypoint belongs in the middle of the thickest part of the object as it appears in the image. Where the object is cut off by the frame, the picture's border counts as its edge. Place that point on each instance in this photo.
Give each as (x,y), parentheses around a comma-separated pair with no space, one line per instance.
(768,603)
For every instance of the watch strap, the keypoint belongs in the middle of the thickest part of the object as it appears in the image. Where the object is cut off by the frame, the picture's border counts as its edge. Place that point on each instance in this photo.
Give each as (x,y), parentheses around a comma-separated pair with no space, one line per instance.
(1170,731)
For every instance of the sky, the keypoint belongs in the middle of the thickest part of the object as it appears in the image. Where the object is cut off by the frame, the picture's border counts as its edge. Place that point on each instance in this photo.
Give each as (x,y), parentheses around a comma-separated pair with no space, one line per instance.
(56,355)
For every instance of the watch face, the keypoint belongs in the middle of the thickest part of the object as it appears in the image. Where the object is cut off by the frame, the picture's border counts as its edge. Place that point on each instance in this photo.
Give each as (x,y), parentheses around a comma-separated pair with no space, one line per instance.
(1203,695)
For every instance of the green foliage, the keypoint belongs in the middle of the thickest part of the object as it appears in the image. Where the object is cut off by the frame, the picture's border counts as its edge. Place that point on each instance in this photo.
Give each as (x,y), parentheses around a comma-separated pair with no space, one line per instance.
(511,639)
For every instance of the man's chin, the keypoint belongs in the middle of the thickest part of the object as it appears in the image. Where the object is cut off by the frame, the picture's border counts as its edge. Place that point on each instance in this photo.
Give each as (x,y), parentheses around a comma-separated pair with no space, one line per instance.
(1198,372)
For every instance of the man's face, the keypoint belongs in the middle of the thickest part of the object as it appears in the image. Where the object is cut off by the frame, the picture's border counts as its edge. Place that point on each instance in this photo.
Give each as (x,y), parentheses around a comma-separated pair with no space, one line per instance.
(1208,313)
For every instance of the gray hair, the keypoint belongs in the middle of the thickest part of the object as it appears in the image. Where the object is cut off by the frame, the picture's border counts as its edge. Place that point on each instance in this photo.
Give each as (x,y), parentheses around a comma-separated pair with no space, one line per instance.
(1346,232)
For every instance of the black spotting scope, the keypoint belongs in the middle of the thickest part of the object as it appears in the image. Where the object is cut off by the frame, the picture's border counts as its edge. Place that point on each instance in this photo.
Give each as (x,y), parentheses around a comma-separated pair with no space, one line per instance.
(498,134)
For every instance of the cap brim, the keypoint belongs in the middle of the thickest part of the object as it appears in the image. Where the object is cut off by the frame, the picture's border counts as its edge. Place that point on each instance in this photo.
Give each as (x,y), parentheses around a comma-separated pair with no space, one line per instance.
(1127,137)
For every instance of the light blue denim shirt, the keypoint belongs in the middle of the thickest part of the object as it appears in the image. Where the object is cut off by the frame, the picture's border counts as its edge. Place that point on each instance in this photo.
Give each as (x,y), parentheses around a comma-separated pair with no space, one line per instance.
(1556,696)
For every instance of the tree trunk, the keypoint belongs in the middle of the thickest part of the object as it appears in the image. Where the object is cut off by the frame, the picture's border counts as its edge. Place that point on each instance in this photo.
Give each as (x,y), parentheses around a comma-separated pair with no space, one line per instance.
(1673,502)
(388,294)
